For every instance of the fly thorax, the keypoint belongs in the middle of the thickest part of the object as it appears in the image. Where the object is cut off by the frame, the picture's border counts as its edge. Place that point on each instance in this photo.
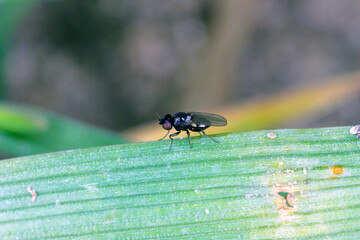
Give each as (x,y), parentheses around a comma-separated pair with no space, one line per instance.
(177,121)
(188,119)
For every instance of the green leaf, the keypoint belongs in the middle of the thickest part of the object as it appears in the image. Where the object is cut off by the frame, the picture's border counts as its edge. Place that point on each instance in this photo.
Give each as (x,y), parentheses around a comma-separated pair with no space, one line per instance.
(247,186)
(27,131)
(18,122)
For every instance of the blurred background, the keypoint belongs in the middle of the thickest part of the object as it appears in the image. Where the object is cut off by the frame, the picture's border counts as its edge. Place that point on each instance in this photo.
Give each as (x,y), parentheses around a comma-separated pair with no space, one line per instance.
(80,73)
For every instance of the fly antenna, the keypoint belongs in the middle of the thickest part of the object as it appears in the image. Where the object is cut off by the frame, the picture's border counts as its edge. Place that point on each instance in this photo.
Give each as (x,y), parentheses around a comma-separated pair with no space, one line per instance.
(158,115)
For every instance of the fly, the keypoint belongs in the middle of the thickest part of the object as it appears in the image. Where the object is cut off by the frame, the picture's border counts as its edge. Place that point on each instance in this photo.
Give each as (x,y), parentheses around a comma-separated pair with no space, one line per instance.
(190,121)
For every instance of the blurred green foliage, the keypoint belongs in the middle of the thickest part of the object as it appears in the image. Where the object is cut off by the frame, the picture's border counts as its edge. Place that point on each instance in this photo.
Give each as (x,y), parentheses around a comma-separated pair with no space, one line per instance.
(26,131)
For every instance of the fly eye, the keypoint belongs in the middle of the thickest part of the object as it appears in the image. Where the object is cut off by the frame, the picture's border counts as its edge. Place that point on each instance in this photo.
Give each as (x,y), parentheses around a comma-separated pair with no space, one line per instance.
(167,126)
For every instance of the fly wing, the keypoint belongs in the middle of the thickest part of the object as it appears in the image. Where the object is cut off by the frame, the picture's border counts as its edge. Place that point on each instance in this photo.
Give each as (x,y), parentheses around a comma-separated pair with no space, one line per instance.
(207,119)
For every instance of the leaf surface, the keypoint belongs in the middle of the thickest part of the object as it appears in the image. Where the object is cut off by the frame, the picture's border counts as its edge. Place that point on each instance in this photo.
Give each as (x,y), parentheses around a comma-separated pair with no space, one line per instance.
(234,189)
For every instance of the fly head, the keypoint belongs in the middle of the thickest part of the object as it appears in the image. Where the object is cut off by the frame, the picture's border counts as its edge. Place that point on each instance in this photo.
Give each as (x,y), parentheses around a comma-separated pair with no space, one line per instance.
(165,121)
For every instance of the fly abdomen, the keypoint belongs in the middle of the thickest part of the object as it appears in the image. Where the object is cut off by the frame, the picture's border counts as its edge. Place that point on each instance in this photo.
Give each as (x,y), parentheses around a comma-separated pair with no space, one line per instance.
(198,127)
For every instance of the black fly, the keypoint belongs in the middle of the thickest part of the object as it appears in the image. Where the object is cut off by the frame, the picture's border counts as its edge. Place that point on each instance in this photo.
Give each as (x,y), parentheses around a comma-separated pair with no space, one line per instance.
(193,121)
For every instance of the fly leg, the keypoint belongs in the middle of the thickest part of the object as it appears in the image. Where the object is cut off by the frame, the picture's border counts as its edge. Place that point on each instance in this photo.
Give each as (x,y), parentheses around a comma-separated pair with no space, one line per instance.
(164,136)
(173,135)
(209,136)
(188,134)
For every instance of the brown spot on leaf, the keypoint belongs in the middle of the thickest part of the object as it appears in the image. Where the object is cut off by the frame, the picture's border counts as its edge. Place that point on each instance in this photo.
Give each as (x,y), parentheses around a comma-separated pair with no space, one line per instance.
(284,198)
(285,195)
(33,193)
